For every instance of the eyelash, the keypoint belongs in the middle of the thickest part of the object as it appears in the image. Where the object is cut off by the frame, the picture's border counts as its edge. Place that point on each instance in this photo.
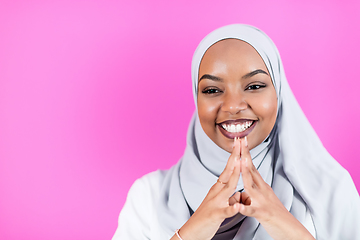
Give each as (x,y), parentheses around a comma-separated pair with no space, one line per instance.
(216,90)
(255,87)
(211,91)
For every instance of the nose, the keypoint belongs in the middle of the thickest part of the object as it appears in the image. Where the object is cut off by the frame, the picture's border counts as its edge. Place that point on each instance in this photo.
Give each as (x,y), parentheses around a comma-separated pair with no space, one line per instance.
(233,103)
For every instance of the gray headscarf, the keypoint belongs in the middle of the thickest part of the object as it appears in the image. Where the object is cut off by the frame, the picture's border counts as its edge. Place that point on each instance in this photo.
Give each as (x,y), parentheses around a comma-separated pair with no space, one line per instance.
(292,160)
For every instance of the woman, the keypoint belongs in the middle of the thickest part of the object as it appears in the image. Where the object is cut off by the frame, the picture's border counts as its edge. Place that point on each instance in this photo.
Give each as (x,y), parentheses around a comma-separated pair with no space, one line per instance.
(253,167)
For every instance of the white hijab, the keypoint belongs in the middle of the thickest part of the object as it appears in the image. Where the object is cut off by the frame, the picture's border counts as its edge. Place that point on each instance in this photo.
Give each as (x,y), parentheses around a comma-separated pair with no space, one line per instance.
(306,179)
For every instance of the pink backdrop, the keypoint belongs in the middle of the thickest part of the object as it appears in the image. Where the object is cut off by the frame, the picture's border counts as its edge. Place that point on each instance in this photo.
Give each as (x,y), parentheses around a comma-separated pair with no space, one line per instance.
(94,94)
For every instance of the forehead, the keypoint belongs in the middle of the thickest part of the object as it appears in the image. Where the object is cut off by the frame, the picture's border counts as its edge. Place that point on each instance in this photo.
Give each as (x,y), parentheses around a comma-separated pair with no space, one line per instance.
(229,43)
(232,51)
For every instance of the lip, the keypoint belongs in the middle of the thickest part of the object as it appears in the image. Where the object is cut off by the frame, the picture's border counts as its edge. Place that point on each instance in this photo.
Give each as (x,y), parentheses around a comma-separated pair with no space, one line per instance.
(239,135)
(236,121)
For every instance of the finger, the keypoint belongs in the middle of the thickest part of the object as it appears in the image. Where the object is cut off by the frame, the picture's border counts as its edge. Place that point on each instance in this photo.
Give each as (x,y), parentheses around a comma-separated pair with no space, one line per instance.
(230,187)
(257,179)
(254,172)
(229,169)
(235,198)
(235,155)
(246,210)
(245,198)
(249,183)
(230,211)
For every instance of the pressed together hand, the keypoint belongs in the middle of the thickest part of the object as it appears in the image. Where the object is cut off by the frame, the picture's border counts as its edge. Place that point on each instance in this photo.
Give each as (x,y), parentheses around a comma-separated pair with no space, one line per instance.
(258,200)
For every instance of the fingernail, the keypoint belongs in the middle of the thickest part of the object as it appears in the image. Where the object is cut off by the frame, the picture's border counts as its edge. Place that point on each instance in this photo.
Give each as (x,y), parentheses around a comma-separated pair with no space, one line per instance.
(246,143)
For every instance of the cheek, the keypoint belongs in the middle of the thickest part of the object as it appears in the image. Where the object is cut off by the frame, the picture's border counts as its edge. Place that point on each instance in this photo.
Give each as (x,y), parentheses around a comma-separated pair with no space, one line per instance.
(268,108)
(207,110)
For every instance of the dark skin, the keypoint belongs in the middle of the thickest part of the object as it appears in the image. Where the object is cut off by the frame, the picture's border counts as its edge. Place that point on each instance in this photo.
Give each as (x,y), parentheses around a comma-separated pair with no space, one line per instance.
(234,84)
(244,91)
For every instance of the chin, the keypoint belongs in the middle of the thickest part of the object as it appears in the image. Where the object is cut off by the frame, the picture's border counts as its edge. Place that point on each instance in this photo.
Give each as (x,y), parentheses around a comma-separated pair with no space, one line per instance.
(225,143)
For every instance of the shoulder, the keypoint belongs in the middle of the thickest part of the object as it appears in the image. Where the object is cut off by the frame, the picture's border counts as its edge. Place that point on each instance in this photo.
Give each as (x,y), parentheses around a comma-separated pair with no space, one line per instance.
(139,209)
(152,179)
(149,185)
(346,192)
(347,208)
(340,214)
(341,184)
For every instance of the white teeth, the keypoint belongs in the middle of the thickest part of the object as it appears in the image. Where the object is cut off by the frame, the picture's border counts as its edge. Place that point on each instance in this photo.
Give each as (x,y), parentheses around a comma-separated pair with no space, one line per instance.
(238,127)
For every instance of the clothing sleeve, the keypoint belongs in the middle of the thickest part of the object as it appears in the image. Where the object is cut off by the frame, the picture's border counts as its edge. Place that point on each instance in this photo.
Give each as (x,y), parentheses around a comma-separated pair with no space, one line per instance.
(350,208)
(135,217)
(341,217)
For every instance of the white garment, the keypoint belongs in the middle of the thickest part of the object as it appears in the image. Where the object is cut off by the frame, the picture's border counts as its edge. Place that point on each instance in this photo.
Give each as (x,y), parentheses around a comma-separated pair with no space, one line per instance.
(306,179)
(138,219)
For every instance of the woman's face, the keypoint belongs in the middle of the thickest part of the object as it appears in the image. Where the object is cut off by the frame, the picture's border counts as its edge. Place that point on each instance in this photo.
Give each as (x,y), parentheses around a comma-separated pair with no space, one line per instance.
(236,97)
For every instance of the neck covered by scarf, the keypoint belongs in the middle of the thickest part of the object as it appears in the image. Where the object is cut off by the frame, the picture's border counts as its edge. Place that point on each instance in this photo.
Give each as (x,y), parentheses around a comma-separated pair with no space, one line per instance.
(291,160)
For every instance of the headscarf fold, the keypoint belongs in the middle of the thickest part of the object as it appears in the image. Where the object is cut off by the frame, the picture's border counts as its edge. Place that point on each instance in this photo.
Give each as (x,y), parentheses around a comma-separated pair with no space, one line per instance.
(292,160)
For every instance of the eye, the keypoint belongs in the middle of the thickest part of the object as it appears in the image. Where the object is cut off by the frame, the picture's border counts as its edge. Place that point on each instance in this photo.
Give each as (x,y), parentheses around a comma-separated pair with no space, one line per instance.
(211,91)
(255,87)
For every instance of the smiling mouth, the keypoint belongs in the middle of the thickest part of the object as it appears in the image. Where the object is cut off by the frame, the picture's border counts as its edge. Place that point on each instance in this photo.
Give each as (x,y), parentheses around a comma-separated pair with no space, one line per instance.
(236,128)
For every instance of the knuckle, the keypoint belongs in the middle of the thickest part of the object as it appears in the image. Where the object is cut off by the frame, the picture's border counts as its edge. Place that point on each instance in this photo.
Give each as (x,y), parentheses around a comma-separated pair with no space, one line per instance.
(230,187)
(253,169)
(252,211)
(230,211)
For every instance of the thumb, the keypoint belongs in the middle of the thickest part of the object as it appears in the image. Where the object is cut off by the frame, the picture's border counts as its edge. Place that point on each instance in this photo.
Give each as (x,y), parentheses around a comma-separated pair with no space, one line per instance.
(246,210)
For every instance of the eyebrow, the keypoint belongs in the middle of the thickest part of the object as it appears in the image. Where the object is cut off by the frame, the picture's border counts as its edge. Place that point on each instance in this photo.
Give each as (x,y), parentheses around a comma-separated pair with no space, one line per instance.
(253,73)
(218,79)
(210,77)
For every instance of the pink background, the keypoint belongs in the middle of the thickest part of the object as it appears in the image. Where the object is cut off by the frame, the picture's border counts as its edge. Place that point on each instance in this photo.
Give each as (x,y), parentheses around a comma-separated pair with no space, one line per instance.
(94,94)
